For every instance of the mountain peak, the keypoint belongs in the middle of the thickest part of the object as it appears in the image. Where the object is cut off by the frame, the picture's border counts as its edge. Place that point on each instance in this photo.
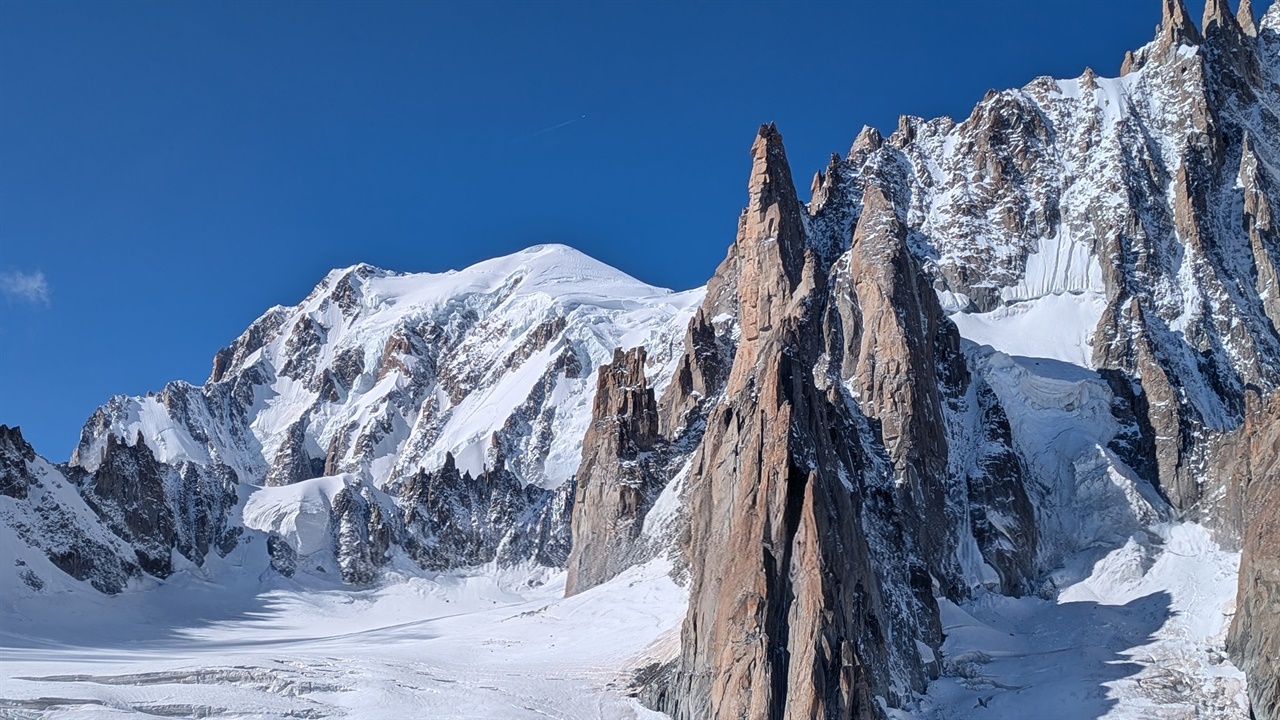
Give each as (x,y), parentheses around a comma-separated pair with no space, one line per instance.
(1244,16)
(1271,18)
(1220,21)
(1176,24)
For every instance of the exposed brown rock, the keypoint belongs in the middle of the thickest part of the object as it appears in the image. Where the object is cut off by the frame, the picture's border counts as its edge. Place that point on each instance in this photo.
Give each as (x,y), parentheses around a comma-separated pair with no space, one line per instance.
(1217,14)
(771,244)
(128,490)
(893,329)
(1264,235)
(788,616)
(615,484)
(1176,26)
(703,369)
(1252,464)
(293,463)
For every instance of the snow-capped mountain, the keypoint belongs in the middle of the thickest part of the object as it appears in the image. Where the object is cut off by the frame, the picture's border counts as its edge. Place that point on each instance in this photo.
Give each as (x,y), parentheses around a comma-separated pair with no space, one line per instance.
(439,415)
(384,374)
(986,428)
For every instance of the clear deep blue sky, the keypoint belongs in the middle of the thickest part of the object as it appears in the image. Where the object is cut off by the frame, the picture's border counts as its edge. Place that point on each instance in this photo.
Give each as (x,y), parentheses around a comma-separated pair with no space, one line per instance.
(174,169)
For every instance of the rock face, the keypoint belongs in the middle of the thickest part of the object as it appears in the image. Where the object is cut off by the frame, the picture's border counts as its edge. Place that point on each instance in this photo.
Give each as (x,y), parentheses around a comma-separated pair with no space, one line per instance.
(617,482)
(825,497)
(1252,465)
(132,512)
(455,520)
(45,512)
(454,404)
(159,508)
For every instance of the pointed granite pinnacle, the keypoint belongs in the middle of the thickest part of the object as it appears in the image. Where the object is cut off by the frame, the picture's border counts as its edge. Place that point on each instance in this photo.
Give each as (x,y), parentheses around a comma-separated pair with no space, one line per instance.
(1244,16)
(1217,15)
(768,142)
(771,224)
(770,173)
(867,142)
(1176,22)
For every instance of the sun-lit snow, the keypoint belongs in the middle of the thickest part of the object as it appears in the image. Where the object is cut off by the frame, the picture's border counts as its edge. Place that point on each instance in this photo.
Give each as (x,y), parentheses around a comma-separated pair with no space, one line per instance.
(1057,327)
(502,305)
(236,641)
(1130,625)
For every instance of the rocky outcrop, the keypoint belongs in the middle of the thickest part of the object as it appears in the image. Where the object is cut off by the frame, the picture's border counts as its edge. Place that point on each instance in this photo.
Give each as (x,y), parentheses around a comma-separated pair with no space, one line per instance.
(363,532)
(797,558)
(617,482)
(160,509)
(16,454)
(1251,465)
(47,513)
(901,356)
(455,520)
(1260,226)
(293,462)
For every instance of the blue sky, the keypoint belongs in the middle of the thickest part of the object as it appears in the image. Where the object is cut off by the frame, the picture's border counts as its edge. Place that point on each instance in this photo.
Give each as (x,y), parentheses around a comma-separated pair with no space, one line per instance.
(168,171)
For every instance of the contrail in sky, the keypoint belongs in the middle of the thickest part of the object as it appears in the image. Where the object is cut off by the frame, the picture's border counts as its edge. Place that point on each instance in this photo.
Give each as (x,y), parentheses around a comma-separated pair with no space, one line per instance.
(544,131)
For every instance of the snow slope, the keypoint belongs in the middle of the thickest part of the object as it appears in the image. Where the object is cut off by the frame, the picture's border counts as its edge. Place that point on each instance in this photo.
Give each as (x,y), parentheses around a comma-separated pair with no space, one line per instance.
(384,373)
(471,645)
(377,375)
(1141,636)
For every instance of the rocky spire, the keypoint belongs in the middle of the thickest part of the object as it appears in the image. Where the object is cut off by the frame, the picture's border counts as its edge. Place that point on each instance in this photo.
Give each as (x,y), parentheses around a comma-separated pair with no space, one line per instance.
(899,324)
(1129,64)
(771,241)
(1176,26)
(867,142)
(1244,16)
(754,286)
(790,608)
(14,452)
(1217,14)
(825,183)
(129,490)
(773,213)
(1261,229)
(1089,79)
(1222,30)
(615,489)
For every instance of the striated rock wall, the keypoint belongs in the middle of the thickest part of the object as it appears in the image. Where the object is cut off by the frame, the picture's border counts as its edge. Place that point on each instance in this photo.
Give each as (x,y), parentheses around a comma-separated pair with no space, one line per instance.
(798,559)
(161,509)
(1251,464)
(617,482)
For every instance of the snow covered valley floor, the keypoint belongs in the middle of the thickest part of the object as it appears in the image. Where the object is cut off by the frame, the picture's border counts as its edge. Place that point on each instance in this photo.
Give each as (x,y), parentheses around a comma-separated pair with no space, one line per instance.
(1136,632)
(450,647)
(1130,627)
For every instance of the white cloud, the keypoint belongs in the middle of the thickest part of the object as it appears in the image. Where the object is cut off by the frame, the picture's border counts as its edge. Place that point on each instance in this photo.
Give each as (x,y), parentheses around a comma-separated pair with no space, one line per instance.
(25,287)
